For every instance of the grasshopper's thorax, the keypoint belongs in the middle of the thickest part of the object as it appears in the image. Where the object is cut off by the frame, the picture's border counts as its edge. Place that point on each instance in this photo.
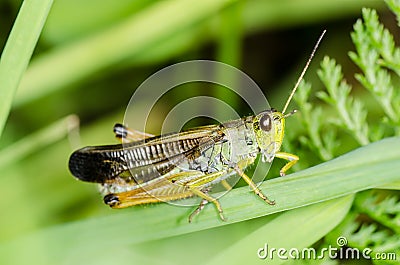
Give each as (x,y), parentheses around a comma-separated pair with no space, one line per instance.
(269,127)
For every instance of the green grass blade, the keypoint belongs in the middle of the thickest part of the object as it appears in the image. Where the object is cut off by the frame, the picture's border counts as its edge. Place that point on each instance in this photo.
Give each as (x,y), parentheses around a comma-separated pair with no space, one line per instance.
(355,171)
(37,140)
(129,38)
(19,49)
(158,33)
(391,186)
(306,226)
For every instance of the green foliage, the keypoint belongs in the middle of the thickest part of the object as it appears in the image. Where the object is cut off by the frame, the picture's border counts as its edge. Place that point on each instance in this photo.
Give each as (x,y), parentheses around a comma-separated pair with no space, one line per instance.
(367,235)
(18,51)
(382,207)
(325,182)
(378,59)
(351,112)
(376,54)
(313,121)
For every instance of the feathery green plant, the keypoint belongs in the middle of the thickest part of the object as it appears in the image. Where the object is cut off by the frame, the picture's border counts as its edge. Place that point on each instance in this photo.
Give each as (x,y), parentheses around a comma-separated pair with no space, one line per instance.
(374,220)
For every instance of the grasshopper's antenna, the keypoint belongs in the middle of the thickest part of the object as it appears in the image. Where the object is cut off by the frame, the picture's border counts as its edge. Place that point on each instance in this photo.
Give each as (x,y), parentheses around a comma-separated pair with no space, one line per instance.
(304,71)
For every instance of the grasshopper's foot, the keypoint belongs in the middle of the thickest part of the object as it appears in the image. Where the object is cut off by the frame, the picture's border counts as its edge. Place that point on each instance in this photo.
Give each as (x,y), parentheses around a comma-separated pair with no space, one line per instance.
(289,157)
(262,196)
(206,199)
(198,209)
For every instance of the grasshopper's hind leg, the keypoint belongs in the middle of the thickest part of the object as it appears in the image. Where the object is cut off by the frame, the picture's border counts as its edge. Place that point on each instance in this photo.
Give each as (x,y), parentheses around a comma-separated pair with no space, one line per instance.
(198,209)
(196,186)
(206,199)
(126,135)
(203,202)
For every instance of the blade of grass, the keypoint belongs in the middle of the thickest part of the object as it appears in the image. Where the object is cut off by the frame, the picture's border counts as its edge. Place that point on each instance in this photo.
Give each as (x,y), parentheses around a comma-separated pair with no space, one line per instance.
(229,50)
(36,141)
(142,37)
(355,171)
(18,51)
(36,184)
(391,186)
(129,38)
(200,242)
(238,243)
(62,27)
(26,184)
(306,225)
(260,14)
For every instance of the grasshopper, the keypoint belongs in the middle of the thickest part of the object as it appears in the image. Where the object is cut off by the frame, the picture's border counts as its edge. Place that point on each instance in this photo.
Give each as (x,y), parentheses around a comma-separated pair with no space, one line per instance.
(147,169)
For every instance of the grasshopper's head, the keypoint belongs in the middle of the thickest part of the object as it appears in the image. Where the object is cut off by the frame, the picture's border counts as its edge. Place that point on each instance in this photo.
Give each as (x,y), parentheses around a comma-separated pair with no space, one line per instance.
(269,127)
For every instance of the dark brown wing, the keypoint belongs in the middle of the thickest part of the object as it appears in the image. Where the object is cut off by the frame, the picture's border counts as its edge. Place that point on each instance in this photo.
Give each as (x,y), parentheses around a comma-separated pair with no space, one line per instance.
(144,160)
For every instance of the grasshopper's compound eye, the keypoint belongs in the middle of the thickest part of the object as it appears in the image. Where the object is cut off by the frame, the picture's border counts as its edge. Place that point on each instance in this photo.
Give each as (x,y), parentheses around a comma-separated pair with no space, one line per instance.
(111,200)
(265,123)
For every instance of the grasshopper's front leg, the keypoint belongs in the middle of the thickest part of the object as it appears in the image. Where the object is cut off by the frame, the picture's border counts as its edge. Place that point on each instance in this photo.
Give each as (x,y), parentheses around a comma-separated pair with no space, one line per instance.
(290,157)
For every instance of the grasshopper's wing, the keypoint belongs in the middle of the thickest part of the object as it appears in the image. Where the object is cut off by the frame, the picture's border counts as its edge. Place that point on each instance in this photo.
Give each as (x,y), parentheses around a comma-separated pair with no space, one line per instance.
(144,160)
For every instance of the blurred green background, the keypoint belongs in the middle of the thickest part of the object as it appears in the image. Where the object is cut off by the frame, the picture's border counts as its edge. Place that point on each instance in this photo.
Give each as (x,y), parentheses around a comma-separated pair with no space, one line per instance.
(93,54)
